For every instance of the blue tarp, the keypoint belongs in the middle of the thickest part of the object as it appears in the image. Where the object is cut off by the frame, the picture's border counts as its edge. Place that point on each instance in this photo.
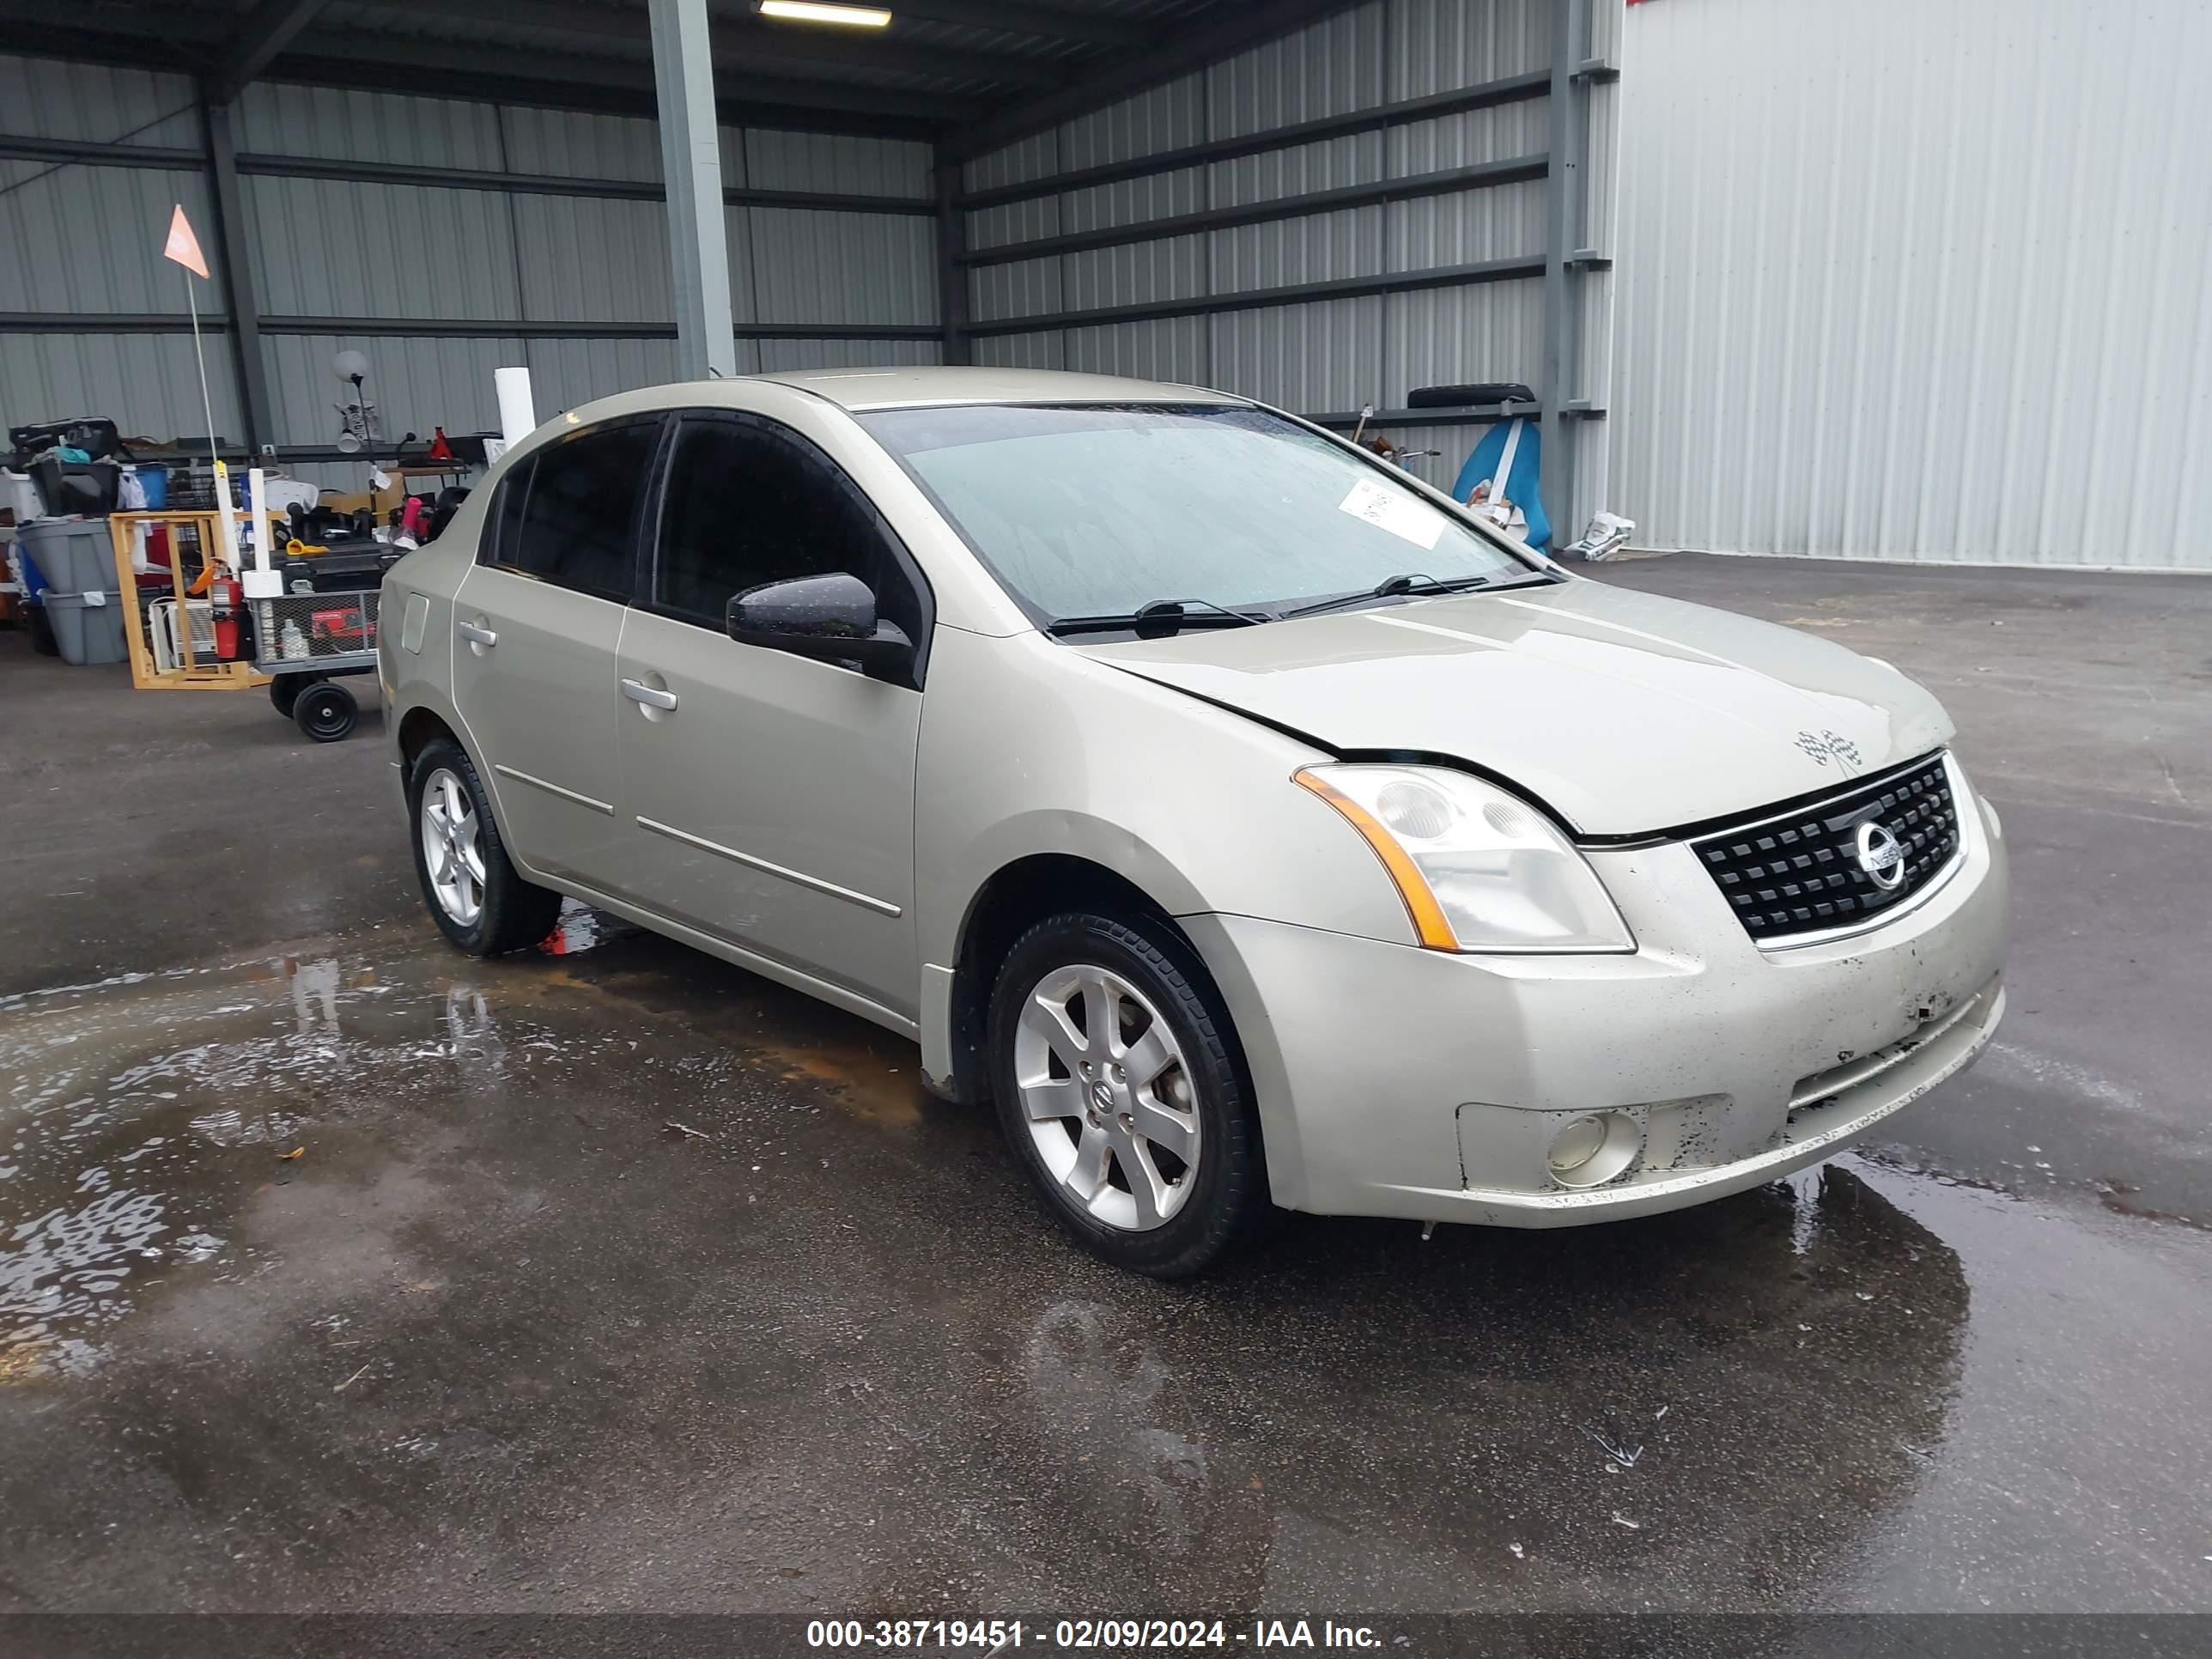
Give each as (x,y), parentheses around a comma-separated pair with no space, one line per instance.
(1521,489)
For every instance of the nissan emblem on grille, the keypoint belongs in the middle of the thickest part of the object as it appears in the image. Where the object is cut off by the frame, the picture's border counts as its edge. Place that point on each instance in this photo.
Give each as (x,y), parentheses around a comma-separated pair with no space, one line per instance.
(1880,855)
(1837,860)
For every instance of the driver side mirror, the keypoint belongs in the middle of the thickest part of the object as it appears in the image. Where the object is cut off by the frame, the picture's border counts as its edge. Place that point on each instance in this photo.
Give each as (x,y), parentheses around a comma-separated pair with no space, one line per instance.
(830,618)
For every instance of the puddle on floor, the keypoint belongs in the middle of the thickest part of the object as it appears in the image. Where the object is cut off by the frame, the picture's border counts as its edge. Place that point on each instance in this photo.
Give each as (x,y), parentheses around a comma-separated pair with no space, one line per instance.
(139,1116)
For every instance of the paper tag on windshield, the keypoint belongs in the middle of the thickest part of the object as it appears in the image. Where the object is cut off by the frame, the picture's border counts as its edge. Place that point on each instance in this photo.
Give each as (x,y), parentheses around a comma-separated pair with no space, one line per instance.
(1401,516)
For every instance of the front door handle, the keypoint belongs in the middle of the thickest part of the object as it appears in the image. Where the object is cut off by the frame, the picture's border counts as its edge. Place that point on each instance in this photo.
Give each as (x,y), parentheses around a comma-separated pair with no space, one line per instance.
(477,635)
(638,691)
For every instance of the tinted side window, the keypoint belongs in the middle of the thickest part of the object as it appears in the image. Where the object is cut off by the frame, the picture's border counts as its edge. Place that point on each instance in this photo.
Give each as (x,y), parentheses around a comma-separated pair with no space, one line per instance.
(579,523)
(504,534)
(749,502)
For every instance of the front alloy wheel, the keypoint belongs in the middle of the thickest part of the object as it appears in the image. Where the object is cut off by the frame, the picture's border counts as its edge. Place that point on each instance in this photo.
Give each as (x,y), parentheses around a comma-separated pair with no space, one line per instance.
(1123,1092)
(1108,1096)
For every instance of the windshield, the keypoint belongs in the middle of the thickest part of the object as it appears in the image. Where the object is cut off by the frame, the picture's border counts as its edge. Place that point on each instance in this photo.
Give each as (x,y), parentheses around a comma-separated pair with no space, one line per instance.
(1096,510)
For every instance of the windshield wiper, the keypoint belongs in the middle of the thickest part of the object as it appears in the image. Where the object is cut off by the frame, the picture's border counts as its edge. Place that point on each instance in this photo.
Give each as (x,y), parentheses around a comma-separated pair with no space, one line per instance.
(1413,581)
(1167,616)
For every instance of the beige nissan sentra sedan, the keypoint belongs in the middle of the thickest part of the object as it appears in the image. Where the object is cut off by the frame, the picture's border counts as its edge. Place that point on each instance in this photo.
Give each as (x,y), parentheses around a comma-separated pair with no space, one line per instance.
(1249,823)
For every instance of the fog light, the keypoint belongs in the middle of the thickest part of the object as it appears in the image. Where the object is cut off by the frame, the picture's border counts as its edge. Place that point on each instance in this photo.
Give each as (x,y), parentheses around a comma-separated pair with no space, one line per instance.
(1592,1150)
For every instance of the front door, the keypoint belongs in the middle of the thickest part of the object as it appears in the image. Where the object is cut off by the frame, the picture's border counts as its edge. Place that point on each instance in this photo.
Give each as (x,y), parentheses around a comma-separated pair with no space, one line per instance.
(769,798)
(537,624)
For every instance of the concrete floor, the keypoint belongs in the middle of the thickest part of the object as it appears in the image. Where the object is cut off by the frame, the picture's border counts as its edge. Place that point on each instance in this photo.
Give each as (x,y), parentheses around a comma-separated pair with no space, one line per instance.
(499,1338)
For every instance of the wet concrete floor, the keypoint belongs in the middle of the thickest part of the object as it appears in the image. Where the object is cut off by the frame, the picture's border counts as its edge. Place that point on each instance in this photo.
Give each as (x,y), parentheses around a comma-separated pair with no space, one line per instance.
(347,1274)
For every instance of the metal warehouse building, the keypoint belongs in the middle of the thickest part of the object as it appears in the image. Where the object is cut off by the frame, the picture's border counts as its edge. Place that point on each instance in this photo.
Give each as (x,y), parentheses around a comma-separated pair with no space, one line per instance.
(1850,278)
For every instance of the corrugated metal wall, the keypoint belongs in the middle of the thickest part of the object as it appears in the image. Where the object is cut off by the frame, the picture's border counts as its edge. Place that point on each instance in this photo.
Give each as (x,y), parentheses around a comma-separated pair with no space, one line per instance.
(1316,357)
(537,270)
(1914,282)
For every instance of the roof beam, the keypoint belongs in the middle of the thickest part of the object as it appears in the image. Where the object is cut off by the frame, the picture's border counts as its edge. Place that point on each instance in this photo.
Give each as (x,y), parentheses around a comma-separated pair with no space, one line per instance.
(268,30)
(1182,50)
(743,42)
(562,80)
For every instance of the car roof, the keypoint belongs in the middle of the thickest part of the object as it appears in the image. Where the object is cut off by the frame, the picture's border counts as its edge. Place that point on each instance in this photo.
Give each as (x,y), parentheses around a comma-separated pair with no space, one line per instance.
(891,388)
(855,389)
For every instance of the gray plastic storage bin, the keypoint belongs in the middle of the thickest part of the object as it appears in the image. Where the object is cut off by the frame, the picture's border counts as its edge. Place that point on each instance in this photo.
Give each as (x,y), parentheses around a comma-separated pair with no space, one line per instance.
(74,555)
(86,633)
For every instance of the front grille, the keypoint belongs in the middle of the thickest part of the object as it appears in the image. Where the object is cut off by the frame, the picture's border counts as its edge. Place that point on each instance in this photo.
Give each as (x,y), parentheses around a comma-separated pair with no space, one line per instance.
(1800,871)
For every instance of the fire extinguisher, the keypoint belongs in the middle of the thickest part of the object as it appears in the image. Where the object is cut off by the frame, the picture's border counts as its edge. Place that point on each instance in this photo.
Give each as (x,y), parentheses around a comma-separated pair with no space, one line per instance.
(226,598)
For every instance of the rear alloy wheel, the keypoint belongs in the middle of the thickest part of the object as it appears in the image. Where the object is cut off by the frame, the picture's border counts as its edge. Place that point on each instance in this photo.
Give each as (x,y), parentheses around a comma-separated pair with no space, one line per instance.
(1113,1066)
(478,899)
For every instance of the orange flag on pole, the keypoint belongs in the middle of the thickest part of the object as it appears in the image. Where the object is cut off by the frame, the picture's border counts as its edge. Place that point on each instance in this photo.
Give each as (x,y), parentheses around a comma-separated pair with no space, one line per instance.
(183,246)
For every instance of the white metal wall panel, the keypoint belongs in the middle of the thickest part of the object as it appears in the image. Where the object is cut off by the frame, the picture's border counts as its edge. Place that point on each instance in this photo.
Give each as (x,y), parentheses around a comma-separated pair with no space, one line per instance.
(1171,348)
(1438,45)
(1320,248)
(585,259)
(1015,222)
(325,247)
(1132,201)
(1497,134)
(569,374)
(281,119)
(819,266)
(1047,350)
(86,239)
(1336,66)
(1331,164)
(1166,118)
(1448,335)
(1947,303)
(842,162)
(45,98)
(575,144)
(148,384)
(1034,157)
(1311,357)
(1505,222)
(1027,287)
(780,356)
(89,239)
(1305,358)
(1136,274)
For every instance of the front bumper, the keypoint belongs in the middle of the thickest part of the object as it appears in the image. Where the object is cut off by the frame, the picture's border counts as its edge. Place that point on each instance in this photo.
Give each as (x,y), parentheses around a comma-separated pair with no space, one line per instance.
(1395,1081)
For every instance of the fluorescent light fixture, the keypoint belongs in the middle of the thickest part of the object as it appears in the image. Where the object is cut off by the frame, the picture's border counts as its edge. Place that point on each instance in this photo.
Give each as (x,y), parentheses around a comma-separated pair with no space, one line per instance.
(821,11)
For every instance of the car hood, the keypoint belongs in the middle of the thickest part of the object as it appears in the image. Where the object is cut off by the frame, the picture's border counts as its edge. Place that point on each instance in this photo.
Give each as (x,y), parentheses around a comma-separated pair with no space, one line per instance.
(1622,711)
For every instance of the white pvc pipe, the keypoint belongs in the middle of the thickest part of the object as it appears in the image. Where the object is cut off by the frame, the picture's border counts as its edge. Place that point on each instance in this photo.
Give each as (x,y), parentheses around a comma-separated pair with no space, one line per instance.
(256,524)
(517,416)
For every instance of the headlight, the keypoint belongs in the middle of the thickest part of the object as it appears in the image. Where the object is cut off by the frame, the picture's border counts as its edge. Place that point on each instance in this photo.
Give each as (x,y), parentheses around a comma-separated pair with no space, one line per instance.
(1479,870)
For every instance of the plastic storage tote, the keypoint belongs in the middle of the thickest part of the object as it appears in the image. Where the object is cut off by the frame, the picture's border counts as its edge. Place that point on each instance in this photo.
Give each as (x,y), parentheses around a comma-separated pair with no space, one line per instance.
(74,555)
(87,627)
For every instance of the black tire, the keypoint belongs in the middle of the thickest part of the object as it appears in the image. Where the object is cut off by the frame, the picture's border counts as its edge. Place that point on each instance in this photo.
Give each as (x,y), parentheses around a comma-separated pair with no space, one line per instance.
(284,691)
(516,914)
(42,633)
(326,711)
(1230,1199)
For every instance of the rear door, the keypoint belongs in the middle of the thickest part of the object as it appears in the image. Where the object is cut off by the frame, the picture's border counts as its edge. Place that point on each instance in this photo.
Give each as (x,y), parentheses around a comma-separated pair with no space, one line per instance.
(771,797)
(537,625)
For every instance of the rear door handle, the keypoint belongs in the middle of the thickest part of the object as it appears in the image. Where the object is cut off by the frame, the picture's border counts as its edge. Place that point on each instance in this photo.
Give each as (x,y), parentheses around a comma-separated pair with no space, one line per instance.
(638,691)
(475,635)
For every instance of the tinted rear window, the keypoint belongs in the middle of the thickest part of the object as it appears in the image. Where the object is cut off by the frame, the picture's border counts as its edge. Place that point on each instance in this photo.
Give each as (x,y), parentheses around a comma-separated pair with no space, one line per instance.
(576,520)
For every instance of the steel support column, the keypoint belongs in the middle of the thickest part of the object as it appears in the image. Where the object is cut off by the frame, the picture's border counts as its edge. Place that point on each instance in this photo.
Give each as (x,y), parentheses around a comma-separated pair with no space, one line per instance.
(1563,228)
(952,249)
(233,257)
(691,159)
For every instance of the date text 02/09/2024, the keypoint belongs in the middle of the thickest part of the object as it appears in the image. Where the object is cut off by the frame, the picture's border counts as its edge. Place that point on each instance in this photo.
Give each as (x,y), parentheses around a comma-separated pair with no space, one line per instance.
(995,1636)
